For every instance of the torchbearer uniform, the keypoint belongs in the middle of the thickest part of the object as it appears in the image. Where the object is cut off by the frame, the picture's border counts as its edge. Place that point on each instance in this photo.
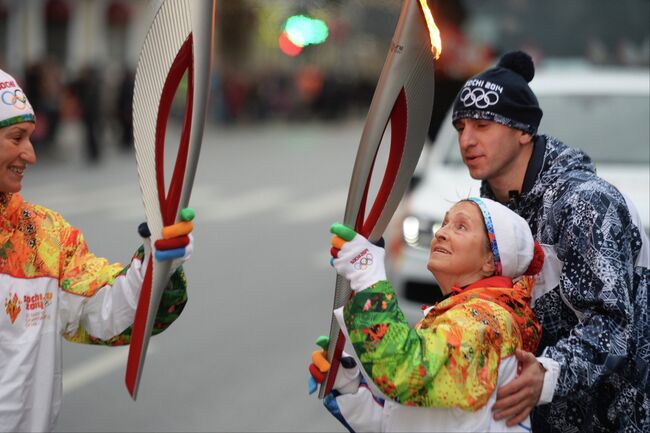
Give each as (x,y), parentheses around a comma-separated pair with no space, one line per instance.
(443,374)
(52,286)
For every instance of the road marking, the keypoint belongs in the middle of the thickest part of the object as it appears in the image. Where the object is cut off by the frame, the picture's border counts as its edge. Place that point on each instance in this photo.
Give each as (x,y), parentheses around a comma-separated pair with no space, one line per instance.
(242,205)
(75,202)
(213,204)
(325,206)
(98,366)
(34,193)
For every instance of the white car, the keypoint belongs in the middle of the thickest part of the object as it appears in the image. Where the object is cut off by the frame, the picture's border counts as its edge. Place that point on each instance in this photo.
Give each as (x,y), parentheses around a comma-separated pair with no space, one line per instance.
(605,112)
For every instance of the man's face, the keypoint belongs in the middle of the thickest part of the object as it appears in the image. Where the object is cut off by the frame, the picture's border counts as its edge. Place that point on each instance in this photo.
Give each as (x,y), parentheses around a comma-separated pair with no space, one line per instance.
(16,153)
(489,149)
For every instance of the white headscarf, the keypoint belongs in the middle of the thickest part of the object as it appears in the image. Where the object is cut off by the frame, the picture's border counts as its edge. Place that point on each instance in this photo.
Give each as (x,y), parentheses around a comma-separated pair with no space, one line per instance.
(14,106)
(511,240)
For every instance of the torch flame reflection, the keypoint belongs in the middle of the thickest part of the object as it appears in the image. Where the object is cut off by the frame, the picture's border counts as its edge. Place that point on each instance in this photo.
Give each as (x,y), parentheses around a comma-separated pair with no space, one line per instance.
(434,33)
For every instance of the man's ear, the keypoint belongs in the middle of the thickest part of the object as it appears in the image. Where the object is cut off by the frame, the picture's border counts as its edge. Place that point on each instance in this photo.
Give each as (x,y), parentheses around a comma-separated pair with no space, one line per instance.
(525,138)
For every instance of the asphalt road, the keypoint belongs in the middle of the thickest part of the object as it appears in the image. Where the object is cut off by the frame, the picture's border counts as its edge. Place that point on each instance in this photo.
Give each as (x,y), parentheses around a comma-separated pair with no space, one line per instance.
(260,287)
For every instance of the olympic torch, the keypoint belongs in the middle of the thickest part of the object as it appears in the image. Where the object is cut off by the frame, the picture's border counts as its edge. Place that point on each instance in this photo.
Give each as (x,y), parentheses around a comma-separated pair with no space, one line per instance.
(403,96)
(178,41)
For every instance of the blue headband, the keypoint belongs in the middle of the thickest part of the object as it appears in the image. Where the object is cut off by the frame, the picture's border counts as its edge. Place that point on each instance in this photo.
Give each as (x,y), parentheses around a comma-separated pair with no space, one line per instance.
(490,229)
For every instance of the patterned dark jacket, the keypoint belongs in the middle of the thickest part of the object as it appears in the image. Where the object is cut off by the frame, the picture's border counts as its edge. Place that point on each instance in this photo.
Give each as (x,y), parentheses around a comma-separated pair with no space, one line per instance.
(592,300)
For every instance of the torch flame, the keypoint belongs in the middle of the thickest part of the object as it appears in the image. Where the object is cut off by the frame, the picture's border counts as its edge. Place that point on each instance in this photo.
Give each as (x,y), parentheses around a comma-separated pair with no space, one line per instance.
(434,33)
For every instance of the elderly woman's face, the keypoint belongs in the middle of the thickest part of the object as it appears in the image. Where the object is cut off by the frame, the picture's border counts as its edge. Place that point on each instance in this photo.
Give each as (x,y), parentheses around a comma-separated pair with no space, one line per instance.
(16,153)
(460,250)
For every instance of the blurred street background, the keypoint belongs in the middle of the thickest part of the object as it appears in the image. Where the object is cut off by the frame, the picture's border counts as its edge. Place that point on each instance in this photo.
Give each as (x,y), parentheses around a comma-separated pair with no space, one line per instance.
(283,127)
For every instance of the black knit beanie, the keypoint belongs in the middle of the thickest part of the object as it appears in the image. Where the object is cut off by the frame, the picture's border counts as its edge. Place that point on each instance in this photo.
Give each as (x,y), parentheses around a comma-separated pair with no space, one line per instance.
(501,94)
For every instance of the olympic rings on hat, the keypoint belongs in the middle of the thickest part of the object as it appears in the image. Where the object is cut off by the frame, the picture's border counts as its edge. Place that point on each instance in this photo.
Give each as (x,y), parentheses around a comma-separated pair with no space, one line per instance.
(15,98)
(479,97)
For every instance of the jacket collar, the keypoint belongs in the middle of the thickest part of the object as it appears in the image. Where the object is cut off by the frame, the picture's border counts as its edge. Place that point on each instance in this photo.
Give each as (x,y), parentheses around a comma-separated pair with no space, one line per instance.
(550,160)
(495,281)
(534,165)
(9,204)
(5,198)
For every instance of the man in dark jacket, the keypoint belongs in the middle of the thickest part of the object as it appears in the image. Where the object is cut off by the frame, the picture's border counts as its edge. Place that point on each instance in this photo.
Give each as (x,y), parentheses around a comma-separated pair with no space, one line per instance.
(591,370)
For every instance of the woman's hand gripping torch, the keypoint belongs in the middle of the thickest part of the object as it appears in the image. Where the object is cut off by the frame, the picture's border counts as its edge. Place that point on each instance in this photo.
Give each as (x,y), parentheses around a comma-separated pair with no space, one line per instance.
(404,96)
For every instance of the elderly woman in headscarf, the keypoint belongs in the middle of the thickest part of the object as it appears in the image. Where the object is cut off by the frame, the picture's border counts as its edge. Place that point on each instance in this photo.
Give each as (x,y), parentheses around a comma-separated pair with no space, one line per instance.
(443,374)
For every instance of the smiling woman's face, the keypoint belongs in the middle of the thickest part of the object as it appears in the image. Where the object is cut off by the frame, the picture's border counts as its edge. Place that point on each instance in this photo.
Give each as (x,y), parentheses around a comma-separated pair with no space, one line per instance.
(16,153)
(460,253)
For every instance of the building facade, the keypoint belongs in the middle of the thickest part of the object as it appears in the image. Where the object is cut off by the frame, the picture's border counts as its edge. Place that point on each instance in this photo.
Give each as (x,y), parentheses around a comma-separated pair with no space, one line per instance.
(74,33)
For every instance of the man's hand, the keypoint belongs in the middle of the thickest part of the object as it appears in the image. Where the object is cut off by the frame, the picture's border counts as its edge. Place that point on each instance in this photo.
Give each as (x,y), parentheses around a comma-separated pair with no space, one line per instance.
(355,258)
(516,399)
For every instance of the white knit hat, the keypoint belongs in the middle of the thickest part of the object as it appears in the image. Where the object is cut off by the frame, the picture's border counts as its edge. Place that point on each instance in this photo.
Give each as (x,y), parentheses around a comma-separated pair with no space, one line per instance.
(14,106)
(511,240)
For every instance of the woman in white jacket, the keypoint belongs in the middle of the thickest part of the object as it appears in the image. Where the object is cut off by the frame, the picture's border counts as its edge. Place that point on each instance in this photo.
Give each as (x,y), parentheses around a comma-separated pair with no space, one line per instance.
(52,286)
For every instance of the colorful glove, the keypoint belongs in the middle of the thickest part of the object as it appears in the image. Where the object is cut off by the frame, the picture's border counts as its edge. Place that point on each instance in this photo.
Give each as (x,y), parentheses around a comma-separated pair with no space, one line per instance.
(177,242)
(356,258)
(320,366)
(176,239)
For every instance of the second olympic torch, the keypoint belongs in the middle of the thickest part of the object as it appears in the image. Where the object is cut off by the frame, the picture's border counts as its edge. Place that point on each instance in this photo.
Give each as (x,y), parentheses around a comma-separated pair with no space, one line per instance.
(403,97)
(178,43)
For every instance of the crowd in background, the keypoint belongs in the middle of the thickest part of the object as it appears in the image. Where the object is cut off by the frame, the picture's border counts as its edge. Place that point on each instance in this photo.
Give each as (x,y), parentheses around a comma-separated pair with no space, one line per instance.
(100,106)
(254,82)
(101,103)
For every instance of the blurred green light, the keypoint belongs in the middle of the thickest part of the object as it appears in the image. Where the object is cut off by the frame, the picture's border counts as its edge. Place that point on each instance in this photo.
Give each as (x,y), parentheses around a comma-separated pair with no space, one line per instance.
(303,31)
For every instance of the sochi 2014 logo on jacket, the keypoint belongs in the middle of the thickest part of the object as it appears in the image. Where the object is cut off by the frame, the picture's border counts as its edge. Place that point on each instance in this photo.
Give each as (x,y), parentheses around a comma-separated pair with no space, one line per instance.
(34,307)
(12,307)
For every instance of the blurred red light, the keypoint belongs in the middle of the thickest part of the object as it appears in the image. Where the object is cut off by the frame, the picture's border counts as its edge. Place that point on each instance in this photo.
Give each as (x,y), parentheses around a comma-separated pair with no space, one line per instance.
(288,47)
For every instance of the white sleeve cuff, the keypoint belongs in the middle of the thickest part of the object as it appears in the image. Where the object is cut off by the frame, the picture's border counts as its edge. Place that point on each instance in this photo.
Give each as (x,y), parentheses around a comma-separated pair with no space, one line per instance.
(550,379)
(347,379)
